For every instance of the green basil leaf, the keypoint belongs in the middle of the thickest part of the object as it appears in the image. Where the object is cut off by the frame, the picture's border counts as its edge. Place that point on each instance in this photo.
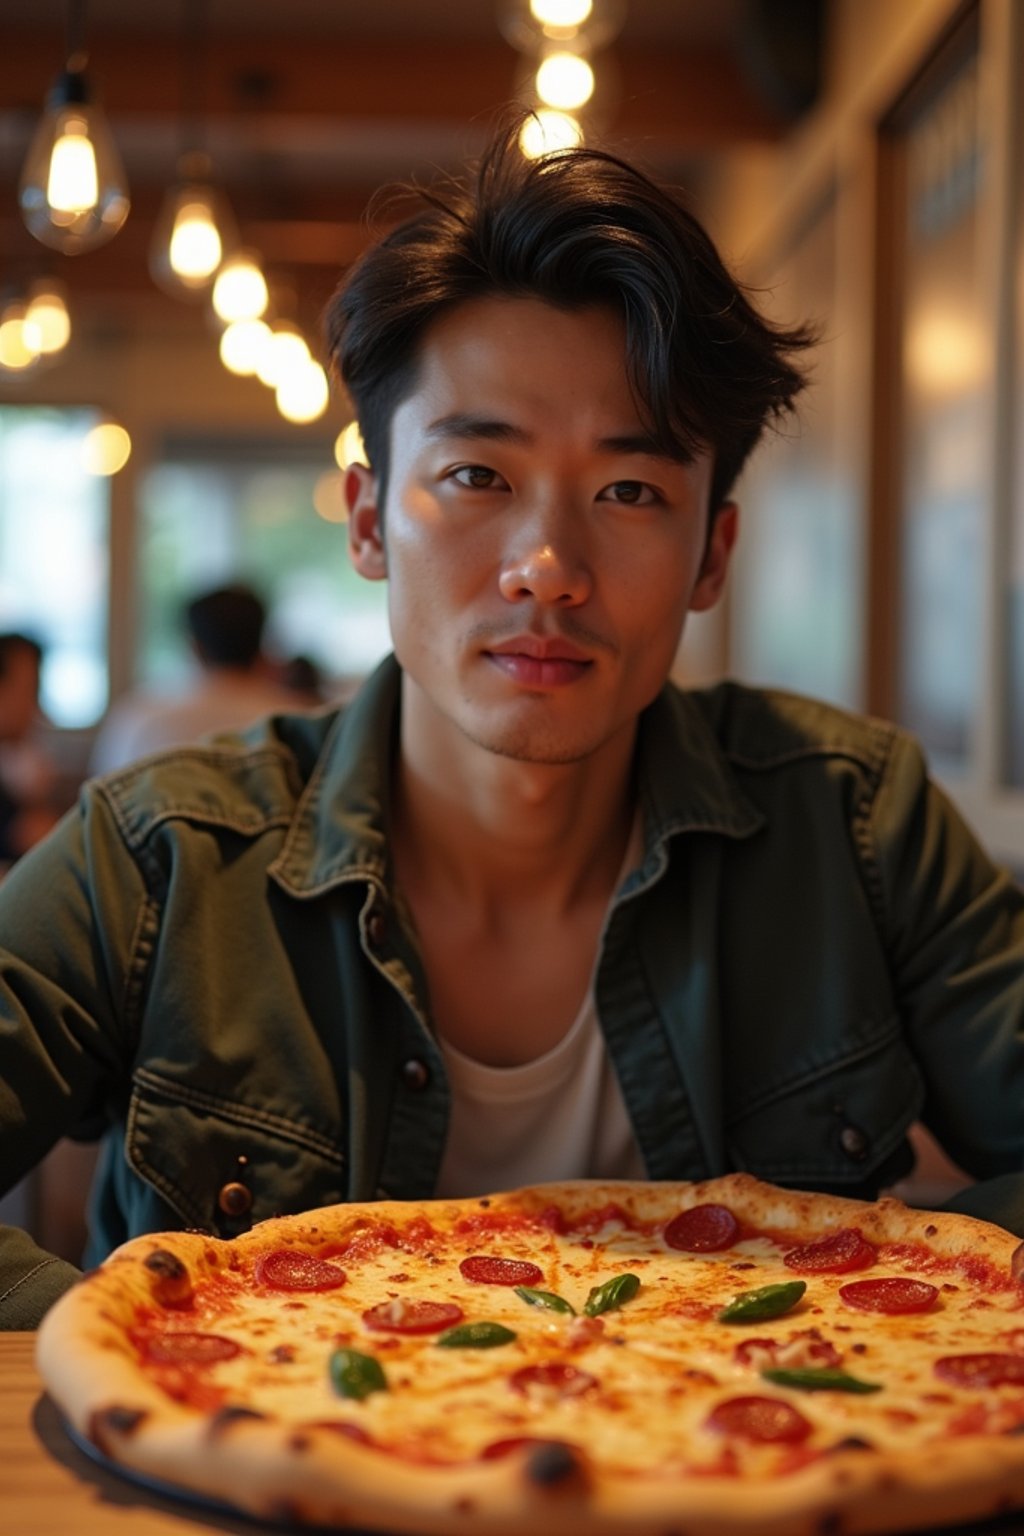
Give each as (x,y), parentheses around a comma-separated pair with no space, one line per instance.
(475,1336)
(611,1295)
(820,1379)
(766,1302)
(546,1299)
(356,1375)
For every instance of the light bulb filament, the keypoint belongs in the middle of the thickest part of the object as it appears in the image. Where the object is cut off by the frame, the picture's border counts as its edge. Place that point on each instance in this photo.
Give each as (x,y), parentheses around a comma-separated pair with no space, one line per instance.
(72,185)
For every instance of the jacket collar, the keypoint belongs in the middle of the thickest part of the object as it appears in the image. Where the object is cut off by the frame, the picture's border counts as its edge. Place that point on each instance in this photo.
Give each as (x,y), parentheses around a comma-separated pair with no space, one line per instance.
(339,830)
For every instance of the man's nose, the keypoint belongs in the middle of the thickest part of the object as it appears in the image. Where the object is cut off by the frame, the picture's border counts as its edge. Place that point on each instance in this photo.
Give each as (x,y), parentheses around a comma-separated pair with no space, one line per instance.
(547,565)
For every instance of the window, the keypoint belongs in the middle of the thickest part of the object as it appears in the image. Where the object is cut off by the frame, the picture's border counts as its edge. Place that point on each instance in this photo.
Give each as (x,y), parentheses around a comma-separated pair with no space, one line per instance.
(798,584)
(220,511)
(54,532)
(944,388)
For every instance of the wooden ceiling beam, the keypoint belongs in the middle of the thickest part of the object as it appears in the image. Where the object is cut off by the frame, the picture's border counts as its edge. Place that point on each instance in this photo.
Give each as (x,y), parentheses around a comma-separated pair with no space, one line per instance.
(698,98)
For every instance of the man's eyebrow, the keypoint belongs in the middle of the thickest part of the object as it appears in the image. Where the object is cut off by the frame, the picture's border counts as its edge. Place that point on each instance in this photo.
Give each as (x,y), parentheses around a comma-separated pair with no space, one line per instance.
(647,447)
(465,424)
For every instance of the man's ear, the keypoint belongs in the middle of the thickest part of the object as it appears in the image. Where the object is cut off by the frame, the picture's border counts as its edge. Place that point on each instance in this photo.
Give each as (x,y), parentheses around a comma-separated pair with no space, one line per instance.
(721,540)
(365,534)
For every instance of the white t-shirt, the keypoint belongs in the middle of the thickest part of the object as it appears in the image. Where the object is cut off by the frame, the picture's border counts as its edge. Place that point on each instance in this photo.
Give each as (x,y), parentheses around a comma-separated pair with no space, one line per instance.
(561,1116)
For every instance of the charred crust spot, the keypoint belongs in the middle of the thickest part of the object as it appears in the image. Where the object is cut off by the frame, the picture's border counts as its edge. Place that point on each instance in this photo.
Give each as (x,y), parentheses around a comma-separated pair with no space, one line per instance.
(852,1443)
(115,1420)
(1017,1263)
(226,1418)
(288,1511)
(299,1443)
(484,1203)
(930,1230)
(551,1466)
(165,1265)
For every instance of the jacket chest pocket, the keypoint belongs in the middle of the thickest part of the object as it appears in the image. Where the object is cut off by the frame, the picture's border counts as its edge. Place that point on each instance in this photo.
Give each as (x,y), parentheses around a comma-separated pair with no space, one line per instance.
(223,1166)
(839,1125)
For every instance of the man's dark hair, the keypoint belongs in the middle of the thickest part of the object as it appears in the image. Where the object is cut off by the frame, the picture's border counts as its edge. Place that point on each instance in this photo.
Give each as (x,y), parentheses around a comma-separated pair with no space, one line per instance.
(575,228)
(14,640)
(226,626)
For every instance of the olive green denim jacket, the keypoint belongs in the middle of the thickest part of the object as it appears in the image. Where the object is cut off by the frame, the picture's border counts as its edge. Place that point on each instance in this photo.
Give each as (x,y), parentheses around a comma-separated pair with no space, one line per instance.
(206,963)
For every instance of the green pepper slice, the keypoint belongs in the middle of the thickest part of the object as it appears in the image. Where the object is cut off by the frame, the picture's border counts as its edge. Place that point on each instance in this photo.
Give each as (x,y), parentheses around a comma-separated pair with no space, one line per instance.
(546,1299)
(766,1302)
(820,1379)
(611,1295)
(475,1336)
(356,1375)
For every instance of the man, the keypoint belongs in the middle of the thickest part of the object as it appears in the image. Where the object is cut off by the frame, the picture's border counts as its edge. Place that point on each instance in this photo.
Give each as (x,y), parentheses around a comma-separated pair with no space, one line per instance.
(234,685)
(25,775)
(521,910)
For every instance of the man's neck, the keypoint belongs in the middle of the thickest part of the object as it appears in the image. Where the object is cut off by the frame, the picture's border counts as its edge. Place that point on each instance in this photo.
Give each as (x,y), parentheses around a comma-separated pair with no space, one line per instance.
(497,831)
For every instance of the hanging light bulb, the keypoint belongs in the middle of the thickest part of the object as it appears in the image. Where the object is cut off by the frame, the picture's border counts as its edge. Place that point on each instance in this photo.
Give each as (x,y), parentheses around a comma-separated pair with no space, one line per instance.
(285,351)
(192,232)
(106,448)
(545,131)
(565,81)
(19,339)
(348,446)
(47,312)
(242,345)
(303,392)
(529,24)
(240,291)
(73,192)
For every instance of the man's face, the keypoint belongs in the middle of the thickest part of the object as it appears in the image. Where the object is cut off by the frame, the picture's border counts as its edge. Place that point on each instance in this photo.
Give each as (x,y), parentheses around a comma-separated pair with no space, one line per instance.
(541,554)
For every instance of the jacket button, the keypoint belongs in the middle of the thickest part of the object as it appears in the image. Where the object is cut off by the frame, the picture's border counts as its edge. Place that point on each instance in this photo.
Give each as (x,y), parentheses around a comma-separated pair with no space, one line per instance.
(415,1074)
(234,1199)
(854,1142)
(375,929)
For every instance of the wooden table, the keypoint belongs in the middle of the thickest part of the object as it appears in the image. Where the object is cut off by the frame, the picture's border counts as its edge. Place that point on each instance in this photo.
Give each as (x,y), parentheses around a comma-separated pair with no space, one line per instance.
(48,1487)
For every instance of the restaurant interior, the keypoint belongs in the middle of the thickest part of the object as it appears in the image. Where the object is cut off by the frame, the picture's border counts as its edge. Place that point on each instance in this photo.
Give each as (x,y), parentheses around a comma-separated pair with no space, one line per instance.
(857,163)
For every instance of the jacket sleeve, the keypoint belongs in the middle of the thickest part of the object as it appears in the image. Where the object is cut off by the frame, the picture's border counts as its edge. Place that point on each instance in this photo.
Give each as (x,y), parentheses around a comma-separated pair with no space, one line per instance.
(72,928)
(30,1280)
(954,927)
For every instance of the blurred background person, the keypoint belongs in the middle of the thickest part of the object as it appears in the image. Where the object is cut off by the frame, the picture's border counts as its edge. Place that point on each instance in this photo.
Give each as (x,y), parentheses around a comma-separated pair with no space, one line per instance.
(234,684)
(27,777)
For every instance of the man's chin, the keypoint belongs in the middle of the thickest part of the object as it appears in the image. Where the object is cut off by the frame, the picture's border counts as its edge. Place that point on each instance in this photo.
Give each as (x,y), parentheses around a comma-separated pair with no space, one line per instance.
(533,746)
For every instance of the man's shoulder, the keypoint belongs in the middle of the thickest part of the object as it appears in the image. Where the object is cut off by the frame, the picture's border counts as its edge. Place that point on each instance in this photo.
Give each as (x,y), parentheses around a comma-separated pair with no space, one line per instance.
(766,728)
(245,781)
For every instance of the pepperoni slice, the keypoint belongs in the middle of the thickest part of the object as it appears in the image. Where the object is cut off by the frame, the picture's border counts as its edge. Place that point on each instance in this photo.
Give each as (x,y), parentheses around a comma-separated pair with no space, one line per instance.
(287,1269)
(401,1316)
(485,1269)
(892,1294)
(988,1370)
(703,1229)
(554,1379)
(836,1254)
(768,1420)
(190,1348)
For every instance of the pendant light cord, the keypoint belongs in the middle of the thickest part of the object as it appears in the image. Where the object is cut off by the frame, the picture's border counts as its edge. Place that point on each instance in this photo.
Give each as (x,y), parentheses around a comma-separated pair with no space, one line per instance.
(76,52)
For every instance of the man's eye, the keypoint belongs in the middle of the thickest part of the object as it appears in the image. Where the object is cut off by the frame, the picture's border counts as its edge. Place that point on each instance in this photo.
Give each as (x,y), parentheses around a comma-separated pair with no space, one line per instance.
(632,493)
(477,477)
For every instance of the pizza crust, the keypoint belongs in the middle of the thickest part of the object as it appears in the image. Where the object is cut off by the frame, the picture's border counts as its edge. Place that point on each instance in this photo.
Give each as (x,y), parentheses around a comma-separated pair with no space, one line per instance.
(314,1475)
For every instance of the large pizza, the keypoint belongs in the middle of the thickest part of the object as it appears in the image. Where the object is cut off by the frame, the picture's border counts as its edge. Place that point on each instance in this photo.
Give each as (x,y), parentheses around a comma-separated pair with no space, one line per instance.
(722,1357)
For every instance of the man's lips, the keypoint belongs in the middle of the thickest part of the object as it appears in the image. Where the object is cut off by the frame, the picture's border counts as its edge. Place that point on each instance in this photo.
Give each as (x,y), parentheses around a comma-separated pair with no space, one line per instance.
(535,662)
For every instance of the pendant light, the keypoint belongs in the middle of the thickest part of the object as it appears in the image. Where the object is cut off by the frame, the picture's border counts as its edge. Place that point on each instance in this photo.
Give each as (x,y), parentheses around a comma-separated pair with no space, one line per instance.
(73,191)
(195,230)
